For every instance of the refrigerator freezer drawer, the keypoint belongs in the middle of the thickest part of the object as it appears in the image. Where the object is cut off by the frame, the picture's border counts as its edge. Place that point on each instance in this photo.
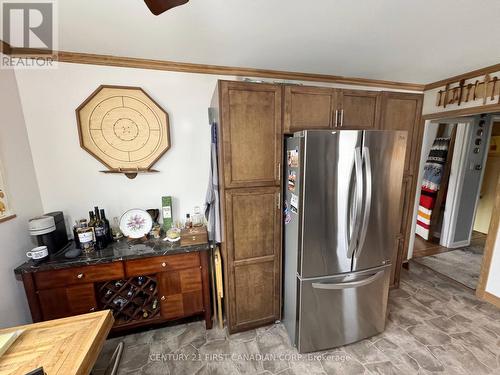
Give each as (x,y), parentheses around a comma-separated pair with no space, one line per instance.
(339,310)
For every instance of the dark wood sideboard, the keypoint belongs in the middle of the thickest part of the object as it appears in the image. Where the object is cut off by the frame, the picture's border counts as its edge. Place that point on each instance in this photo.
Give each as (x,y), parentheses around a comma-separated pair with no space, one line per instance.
(139,289)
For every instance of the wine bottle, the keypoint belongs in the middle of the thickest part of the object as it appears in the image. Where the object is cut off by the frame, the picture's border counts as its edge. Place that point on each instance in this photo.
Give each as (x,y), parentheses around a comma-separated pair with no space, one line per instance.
(92,219)
(107,227)
(100,235)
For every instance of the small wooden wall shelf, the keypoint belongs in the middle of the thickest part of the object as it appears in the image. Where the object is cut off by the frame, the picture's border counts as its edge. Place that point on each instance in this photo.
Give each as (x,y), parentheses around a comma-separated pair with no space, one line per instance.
(130,173)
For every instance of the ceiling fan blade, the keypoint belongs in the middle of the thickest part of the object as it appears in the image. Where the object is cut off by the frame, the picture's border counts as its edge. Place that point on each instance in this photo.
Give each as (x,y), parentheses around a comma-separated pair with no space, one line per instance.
(159,6)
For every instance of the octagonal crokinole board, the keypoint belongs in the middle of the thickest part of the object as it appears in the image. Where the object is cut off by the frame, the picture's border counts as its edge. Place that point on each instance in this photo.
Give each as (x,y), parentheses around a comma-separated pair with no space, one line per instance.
(123,127)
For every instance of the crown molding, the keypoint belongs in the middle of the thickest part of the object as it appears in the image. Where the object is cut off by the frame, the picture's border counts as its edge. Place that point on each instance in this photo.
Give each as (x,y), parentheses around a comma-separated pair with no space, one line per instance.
(132,62)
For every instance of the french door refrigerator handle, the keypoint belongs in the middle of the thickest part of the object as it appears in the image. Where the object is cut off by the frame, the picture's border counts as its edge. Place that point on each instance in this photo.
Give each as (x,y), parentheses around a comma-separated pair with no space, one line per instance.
(349,284)
(358,164)
(368,200)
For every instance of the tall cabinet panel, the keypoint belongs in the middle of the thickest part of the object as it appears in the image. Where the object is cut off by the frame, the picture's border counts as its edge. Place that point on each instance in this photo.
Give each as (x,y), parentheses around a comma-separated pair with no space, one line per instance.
(249,153)
(402,111)
(251,134)
(254,240)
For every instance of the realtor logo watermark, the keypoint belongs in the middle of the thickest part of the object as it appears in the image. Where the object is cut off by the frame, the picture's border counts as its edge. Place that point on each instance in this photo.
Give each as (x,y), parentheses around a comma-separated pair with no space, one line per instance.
(29,28)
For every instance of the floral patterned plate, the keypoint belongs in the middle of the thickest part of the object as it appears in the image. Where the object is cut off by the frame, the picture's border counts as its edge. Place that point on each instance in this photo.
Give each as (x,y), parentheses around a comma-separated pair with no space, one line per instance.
(136,223)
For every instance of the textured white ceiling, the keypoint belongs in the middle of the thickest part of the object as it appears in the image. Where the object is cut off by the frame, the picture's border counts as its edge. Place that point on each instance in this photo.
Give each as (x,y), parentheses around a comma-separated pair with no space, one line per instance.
(417,41)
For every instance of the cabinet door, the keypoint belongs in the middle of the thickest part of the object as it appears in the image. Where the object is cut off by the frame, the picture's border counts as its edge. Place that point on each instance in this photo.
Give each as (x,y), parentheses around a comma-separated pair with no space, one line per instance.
(67,301)
(251,133)
(181,293)
(308,108)
(402,111)
(252,251)
(358,109)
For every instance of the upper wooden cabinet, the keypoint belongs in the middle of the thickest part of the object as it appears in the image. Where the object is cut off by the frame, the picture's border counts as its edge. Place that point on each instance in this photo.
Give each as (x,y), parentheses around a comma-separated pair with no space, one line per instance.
(251,133)
(358,109)
(402,111)
(308,108)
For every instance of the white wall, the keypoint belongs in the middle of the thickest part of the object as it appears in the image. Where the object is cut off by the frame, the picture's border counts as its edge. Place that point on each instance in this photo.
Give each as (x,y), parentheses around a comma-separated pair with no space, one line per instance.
(69,177)
(493,283)
(24,197)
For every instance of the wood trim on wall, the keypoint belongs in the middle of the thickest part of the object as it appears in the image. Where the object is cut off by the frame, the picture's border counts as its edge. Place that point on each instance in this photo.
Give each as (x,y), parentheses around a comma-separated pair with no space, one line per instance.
(139,63)
(488,248)
(468,75)
(490,108)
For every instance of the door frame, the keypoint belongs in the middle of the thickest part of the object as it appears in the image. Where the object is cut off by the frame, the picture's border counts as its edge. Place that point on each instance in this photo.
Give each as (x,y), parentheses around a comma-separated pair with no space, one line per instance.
(492,237)
(459,167)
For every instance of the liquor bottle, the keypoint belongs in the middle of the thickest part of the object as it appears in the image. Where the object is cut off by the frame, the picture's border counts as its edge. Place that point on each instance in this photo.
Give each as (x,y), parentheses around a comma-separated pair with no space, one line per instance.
(107,227)
(100,235)
(85,236)
(189,223)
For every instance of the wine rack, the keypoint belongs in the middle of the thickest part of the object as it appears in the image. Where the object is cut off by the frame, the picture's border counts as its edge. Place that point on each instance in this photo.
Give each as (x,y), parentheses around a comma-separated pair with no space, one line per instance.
(131,300)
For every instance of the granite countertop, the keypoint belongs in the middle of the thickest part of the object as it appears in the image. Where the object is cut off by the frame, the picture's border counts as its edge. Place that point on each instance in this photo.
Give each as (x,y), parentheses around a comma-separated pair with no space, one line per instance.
(122,249)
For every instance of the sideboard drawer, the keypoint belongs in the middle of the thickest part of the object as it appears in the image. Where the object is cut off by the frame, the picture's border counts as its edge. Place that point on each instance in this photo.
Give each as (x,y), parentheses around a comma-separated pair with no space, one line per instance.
(78,275)
(148,266)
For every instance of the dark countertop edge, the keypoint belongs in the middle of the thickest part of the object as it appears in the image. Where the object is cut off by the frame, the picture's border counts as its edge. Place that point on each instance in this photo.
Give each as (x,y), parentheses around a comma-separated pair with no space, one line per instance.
(30,267)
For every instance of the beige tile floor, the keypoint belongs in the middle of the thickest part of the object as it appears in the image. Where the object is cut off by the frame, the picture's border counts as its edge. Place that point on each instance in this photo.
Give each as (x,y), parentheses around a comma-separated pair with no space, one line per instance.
(462,265)
(435,326)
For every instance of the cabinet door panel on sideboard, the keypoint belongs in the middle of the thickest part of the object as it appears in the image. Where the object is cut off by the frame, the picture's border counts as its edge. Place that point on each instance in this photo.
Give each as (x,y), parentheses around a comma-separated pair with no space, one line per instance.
(253,250)
(359,109)
(67,301)
(251,122)
(308,108)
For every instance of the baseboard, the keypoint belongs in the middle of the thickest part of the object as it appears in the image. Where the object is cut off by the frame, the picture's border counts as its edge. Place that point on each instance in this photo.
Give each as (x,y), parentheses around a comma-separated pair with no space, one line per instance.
(459,244)
(491,298)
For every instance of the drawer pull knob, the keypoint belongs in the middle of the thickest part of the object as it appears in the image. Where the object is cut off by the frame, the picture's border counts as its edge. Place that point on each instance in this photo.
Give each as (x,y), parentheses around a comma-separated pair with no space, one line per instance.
(163,298)
(164,264)
(80,276)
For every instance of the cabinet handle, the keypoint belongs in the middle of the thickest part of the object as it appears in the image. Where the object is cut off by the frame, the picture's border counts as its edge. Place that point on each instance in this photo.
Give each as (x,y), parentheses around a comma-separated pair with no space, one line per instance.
(92,309)
(336,117)
(279,171)
(278,200)
(342,118)
(80,276)
(164,264)
(163,298)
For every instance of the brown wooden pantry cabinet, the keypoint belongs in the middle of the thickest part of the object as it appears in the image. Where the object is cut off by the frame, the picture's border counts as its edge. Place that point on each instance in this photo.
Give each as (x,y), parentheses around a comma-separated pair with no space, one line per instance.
(252,118)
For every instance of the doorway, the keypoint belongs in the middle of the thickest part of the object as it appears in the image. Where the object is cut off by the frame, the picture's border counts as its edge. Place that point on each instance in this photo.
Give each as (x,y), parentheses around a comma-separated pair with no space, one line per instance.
(459,170)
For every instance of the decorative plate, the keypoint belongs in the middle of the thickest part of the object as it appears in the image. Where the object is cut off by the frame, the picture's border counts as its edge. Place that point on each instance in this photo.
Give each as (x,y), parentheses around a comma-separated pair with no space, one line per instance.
(136,223)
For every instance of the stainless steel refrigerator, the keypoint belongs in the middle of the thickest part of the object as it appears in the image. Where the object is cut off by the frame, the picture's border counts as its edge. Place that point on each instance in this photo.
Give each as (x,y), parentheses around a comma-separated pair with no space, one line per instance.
(342,217)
